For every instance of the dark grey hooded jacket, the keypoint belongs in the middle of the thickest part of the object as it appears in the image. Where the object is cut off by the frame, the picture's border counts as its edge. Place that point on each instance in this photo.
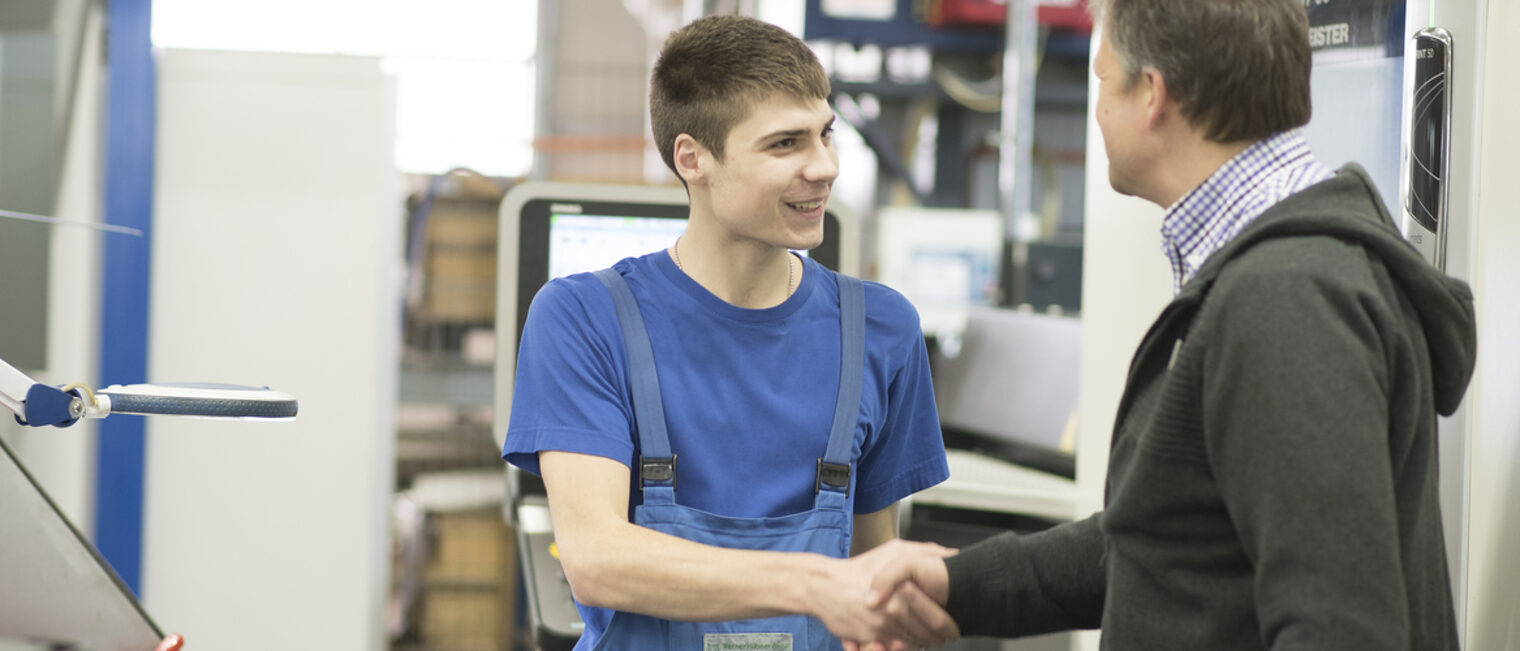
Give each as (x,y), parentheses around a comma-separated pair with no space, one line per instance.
(1272,481)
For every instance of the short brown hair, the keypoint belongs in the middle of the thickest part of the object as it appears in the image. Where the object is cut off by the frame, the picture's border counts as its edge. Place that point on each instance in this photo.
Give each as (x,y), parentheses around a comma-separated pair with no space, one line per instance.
(711,71)
(1239,69)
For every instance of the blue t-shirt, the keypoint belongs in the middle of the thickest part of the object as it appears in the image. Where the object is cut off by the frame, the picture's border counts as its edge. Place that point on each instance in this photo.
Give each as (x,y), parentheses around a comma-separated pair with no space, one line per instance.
(748,394)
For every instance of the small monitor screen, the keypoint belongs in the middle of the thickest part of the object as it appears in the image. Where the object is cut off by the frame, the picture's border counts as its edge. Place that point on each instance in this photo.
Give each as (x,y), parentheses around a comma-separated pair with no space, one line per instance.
(580,243)
(943,260)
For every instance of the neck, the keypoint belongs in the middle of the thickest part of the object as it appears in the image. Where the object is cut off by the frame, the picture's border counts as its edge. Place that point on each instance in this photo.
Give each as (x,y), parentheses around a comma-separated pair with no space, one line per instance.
(749,276)
(1192,161)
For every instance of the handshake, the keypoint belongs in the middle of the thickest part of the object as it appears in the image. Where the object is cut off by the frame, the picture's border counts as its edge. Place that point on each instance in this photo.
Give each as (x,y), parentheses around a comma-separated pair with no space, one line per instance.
(892,598)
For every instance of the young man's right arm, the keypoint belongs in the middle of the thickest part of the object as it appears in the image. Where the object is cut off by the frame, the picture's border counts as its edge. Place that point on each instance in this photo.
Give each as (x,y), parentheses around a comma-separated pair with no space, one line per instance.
(612,563)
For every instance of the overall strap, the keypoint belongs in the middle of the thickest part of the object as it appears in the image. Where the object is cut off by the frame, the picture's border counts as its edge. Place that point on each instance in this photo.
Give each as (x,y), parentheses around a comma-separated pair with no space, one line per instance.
(834,467)
(657,465)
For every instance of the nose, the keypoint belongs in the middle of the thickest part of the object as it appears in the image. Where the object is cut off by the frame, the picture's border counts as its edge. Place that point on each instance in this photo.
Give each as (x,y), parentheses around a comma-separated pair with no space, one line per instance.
(823,165)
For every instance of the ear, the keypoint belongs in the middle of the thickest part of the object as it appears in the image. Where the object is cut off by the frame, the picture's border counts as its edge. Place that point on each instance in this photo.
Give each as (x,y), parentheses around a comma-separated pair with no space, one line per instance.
(1157,101)
(689,158)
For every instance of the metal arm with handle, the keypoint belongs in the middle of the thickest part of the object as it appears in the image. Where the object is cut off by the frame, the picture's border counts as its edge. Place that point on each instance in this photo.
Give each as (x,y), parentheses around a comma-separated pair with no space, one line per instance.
(40,405)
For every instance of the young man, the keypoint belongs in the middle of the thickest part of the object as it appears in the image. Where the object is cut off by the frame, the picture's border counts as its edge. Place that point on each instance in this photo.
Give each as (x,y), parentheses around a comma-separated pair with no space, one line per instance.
(1272,481)
(792,423)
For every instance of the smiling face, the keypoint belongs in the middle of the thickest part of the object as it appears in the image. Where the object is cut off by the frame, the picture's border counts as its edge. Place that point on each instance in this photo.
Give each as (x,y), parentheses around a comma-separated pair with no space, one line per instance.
(778,167)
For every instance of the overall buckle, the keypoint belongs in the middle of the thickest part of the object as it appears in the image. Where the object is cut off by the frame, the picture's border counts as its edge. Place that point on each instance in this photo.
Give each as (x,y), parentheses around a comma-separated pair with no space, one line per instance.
(657,469)
(833,475)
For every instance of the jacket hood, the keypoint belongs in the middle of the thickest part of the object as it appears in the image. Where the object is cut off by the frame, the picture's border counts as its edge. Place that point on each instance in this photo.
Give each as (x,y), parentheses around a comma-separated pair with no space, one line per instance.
(1338,207)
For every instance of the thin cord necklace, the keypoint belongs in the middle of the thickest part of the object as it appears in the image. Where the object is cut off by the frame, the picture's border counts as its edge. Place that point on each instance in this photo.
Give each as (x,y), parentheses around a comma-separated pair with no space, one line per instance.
(675,254)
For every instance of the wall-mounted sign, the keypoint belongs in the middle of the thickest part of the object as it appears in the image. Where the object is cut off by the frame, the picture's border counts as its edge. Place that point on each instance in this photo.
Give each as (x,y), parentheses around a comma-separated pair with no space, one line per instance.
(1341,30)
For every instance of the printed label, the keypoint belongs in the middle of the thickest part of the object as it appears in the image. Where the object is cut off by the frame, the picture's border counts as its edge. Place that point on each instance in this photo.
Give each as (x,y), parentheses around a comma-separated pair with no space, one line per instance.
(747,642)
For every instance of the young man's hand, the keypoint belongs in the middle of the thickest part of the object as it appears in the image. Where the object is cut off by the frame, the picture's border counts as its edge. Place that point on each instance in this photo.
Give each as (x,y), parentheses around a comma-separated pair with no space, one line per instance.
(910,581)
(897,617)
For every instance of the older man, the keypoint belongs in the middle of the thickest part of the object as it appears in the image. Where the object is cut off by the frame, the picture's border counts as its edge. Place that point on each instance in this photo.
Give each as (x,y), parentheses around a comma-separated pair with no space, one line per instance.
(1272,481)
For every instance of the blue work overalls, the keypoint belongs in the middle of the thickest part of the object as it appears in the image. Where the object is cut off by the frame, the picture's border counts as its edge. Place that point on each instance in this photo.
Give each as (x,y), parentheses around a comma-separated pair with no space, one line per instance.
(823,530)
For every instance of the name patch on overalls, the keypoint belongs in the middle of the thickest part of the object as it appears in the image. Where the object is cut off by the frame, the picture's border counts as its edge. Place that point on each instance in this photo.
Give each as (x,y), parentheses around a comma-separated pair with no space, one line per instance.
(747,642)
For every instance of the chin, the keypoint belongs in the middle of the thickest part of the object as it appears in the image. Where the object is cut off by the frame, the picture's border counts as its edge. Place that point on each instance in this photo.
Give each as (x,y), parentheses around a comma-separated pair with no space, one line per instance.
(1120,184)
(806,241)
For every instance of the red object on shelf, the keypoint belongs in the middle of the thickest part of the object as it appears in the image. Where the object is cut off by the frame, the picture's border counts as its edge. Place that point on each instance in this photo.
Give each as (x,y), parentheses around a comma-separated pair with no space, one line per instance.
(1074,17)
(994,13)
(968,12)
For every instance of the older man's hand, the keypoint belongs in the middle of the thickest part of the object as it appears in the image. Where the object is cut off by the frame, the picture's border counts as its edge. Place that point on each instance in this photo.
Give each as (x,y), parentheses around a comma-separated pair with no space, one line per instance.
(912,613)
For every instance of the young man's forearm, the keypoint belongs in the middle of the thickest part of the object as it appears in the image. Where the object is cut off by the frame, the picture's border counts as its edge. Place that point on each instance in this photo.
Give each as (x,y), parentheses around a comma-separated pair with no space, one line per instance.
(612,563)
(623,566)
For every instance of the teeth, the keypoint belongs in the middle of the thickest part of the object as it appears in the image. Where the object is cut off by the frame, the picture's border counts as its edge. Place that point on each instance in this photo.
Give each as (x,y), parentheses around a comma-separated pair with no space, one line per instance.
(806,206)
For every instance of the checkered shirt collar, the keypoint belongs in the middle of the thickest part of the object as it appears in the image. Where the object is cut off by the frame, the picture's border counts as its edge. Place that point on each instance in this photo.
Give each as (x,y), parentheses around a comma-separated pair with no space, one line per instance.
(1206,219)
